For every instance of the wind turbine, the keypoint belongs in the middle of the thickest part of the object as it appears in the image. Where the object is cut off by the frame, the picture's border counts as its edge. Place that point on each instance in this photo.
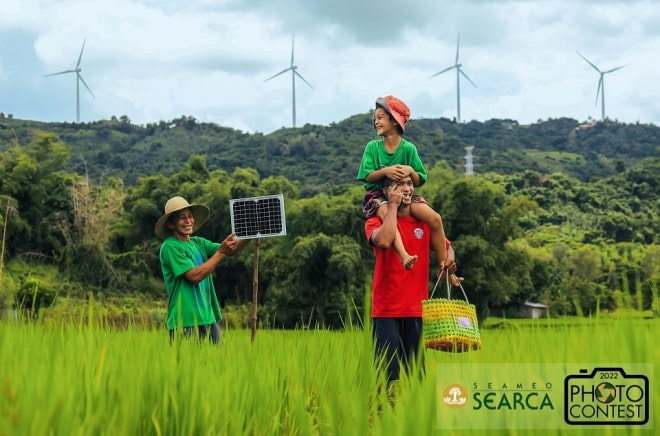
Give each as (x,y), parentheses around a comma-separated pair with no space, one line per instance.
(459,71)
(601,84)
(294,73)
(79,79)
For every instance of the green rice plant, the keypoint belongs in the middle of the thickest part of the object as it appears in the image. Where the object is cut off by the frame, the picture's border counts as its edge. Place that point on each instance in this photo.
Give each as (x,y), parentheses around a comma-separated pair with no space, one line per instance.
(655,305)
(83,377)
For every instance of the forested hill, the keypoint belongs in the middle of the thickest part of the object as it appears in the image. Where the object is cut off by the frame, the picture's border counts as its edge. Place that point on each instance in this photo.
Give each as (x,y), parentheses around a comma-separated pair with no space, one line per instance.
(316,156)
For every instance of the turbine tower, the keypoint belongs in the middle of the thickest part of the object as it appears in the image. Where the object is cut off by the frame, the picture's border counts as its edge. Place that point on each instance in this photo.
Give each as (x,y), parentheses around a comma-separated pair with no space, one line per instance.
(459,71)
(79,79)
(294,72)
(601,84)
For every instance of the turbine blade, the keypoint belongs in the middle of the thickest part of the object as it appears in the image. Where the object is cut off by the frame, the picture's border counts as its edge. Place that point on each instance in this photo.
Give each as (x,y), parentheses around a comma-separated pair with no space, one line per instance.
(83,82)
(302,78)
(589,62)
(292,38)
(614,69)
(458,41)
(81,52)
(275,75)
(61,72)
(446,69)
(465,75)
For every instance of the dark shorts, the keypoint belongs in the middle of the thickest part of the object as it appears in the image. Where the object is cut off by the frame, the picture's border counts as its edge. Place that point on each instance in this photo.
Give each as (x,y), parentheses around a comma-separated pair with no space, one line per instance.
(374,198)
(398,342)
(208,331)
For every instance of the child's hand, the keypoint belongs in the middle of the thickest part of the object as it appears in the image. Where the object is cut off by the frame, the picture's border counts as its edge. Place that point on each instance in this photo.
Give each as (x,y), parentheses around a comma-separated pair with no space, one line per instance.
(398,172)
(410,171)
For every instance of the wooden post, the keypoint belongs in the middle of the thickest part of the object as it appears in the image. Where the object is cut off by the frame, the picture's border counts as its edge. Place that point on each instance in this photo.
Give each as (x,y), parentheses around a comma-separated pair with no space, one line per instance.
(255,288)
(4,238)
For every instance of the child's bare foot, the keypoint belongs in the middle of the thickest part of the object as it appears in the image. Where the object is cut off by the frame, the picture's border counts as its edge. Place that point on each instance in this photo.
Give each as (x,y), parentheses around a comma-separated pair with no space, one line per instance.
(408,261)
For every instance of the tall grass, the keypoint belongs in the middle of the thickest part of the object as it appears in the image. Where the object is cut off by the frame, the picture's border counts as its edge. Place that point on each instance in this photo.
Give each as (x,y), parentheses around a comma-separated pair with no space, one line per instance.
(85,380)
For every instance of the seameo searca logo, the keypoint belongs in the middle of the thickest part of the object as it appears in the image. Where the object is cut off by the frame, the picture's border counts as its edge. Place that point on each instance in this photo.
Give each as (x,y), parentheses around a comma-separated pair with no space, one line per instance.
(455,396)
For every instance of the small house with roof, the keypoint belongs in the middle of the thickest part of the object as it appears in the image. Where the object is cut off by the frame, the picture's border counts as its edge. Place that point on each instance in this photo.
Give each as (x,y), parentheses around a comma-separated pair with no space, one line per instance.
(533,310)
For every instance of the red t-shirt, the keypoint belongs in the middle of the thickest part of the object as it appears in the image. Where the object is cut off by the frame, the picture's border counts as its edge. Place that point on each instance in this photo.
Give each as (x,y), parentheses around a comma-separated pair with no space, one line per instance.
(395,291)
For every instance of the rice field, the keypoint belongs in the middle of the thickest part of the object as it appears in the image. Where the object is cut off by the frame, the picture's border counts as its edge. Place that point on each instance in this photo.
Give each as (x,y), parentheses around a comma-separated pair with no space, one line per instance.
(74,379)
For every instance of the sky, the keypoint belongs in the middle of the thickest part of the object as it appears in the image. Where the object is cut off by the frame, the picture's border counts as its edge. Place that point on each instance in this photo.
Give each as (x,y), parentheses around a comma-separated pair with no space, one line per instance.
(156,60)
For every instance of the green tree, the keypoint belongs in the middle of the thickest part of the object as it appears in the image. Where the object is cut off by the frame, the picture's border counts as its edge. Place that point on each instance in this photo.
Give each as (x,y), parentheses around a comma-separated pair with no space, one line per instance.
(324,284)
(7,206)
(33,176)
(482,222)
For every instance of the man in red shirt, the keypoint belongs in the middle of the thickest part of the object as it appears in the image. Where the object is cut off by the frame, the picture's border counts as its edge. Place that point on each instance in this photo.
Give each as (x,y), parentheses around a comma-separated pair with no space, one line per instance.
(397,293)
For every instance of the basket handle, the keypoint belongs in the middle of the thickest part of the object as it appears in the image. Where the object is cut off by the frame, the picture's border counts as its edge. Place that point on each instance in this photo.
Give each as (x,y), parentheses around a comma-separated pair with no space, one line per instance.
(449,286)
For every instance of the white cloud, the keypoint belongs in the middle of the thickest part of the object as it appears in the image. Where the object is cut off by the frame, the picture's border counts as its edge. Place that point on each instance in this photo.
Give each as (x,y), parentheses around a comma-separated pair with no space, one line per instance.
(158,60)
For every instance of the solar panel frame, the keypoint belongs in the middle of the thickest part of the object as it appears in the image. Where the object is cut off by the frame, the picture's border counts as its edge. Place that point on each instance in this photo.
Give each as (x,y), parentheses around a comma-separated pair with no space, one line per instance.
(258,217)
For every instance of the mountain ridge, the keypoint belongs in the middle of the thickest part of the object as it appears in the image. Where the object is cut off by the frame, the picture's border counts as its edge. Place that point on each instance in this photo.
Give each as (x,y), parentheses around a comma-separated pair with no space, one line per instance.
(314,155)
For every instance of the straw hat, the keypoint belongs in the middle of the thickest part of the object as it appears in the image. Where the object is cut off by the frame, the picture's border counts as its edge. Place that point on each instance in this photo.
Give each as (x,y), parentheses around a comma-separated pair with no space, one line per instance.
(175,204)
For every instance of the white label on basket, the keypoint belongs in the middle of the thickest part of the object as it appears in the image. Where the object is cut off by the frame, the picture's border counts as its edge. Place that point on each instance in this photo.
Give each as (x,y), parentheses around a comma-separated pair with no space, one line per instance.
(465,322)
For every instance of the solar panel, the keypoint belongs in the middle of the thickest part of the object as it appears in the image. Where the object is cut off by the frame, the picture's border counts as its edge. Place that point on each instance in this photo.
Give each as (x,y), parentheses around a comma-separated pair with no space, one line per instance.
(258,217)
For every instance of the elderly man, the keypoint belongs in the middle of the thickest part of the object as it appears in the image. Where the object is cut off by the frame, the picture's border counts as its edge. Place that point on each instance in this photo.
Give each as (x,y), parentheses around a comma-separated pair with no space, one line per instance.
(187,263)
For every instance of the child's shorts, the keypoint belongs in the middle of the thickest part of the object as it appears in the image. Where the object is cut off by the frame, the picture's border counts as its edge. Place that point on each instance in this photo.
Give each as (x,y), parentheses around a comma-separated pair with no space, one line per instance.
(375,198)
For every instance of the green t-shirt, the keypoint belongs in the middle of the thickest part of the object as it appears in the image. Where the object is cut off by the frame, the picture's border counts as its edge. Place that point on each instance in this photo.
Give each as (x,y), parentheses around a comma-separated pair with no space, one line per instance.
(376,157)
(188,304)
